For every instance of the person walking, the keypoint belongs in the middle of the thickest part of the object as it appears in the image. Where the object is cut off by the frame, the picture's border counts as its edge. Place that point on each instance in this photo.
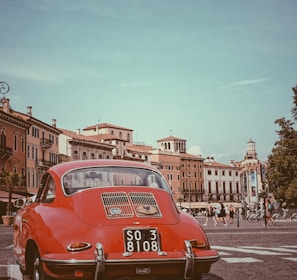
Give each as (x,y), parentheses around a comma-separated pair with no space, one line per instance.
(222,216)
(231,213)
(269,209)
(210,213)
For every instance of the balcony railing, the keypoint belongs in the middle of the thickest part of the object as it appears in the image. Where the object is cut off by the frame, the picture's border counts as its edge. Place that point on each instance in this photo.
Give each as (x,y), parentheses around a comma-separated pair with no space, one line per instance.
(44,163)
(192,191)
(5,152)
(45,143)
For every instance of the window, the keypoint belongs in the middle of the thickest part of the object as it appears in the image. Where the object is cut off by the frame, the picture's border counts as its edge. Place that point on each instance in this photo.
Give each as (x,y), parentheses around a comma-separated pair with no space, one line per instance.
(3,138)
(15,144)
(208,172)
(35,132)
(23,145)
(47,192)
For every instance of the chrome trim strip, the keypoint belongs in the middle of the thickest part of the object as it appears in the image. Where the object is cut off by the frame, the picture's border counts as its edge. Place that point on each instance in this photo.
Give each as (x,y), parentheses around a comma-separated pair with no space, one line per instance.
(100,261)
(189,266)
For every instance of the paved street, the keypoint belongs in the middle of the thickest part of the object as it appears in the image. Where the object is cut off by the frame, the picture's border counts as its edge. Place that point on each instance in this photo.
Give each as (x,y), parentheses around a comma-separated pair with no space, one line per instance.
(249,251)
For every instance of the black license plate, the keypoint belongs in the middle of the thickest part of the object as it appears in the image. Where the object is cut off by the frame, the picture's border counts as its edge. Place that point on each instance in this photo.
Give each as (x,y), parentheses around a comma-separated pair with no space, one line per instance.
(141,240)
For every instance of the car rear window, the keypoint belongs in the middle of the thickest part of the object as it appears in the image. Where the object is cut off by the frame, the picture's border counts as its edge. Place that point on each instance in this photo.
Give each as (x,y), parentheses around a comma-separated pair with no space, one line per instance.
(94,177)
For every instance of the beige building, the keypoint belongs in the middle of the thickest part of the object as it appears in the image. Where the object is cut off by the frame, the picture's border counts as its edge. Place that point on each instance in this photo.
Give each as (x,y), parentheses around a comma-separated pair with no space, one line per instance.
(221,182)
(75,146)
(121,138)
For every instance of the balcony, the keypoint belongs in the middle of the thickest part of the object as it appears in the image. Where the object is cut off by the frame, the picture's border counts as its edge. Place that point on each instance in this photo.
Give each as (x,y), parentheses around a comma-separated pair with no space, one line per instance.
(45,143)
(192,191)
(5,152)
(44,164)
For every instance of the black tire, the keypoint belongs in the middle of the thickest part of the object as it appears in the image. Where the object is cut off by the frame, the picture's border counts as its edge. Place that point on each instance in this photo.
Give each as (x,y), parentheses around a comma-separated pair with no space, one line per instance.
(35,268)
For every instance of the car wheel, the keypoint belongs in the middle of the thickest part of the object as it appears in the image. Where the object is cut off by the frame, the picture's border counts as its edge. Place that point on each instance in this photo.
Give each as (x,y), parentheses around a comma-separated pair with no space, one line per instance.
(35,267)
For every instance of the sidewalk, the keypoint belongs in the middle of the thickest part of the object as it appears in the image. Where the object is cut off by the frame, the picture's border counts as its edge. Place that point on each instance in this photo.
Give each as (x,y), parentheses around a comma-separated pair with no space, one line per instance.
(244,225)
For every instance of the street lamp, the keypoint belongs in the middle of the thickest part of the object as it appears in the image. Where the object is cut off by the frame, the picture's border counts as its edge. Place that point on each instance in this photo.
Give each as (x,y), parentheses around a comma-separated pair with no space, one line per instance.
(4,88)
(263,195)
(189,185)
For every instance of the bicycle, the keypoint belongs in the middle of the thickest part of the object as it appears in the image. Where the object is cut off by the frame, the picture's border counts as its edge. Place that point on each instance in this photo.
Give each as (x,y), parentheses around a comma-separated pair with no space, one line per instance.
(255,217)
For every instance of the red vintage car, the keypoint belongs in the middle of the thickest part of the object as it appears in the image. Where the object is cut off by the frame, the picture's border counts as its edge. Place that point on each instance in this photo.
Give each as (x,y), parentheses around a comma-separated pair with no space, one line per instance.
(108,219)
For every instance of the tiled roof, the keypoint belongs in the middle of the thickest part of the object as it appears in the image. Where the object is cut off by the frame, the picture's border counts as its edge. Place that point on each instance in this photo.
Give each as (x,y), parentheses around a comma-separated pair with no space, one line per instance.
(190,156)
(216,164)
(171,138)
(106,136)
(138,149)
(105,125)
(76,136)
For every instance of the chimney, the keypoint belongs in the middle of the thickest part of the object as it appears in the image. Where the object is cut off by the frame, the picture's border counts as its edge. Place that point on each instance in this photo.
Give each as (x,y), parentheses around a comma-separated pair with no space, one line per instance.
(6,106)
(54,122)
(78,131)
(29,111)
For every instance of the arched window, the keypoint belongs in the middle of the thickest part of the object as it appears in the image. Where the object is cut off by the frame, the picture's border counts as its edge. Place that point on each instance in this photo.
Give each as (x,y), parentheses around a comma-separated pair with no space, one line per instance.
(23,145)
(15,142)
(3,138)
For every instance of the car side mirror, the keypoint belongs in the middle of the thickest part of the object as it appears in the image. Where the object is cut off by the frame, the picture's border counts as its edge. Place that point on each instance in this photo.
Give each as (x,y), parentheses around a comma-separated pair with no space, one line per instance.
(19,203)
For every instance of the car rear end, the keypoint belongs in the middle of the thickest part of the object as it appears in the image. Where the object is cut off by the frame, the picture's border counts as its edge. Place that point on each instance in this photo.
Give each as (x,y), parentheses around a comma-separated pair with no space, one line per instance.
(131,232)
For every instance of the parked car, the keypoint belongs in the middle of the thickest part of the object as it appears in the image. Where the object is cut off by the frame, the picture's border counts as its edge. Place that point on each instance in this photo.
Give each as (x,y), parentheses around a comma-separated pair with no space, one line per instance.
(108,219)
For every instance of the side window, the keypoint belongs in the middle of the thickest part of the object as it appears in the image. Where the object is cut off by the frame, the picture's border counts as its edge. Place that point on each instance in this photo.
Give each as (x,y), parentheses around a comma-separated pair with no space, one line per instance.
(47,191)
(50,191)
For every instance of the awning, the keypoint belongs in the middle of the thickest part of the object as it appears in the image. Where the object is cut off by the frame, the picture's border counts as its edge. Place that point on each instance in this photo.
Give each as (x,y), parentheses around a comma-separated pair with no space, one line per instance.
(4,196)
(199,205)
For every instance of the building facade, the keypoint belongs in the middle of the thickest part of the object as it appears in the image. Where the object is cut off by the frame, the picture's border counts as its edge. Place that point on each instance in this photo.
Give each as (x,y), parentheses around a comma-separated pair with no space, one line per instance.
(253,181)
(13,141)
(74,146)
(221,182)
(42,149)
(182,171)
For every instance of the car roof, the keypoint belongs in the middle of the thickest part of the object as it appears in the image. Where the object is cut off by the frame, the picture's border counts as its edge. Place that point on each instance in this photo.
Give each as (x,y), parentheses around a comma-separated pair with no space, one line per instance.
(61,168)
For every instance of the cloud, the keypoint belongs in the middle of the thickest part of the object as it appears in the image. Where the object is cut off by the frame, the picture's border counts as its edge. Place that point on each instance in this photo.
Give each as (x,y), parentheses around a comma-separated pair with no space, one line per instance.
(244,83)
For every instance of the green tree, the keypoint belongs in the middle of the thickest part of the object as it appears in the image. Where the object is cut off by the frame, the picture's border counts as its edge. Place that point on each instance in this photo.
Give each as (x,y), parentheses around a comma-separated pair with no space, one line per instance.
(282,162)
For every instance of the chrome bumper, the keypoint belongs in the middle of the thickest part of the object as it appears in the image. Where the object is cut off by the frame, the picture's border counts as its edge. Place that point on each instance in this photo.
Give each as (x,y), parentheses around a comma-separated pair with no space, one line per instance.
(188,269)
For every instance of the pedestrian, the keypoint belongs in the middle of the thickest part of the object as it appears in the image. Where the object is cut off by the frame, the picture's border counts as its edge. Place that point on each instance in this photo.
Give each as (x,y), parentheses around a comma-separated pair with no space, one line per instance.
(222,215)
(269,209)
(231,213)
(210,213)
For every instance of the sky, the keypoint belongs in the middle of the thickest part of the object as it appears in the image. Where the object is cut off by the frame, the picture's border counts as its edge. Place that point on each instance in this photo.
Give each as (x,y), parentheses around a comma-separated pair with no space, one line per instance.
(216,73)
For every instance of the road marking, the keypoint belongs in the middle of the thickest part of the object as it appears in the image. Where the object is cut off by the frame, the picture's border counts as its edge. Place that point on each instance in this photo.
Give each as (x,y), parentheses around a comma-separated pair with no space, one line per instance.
(241,260)
(291,259)
(242,250)
(13,272)
(224,254)
(289,246)
(278,249)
